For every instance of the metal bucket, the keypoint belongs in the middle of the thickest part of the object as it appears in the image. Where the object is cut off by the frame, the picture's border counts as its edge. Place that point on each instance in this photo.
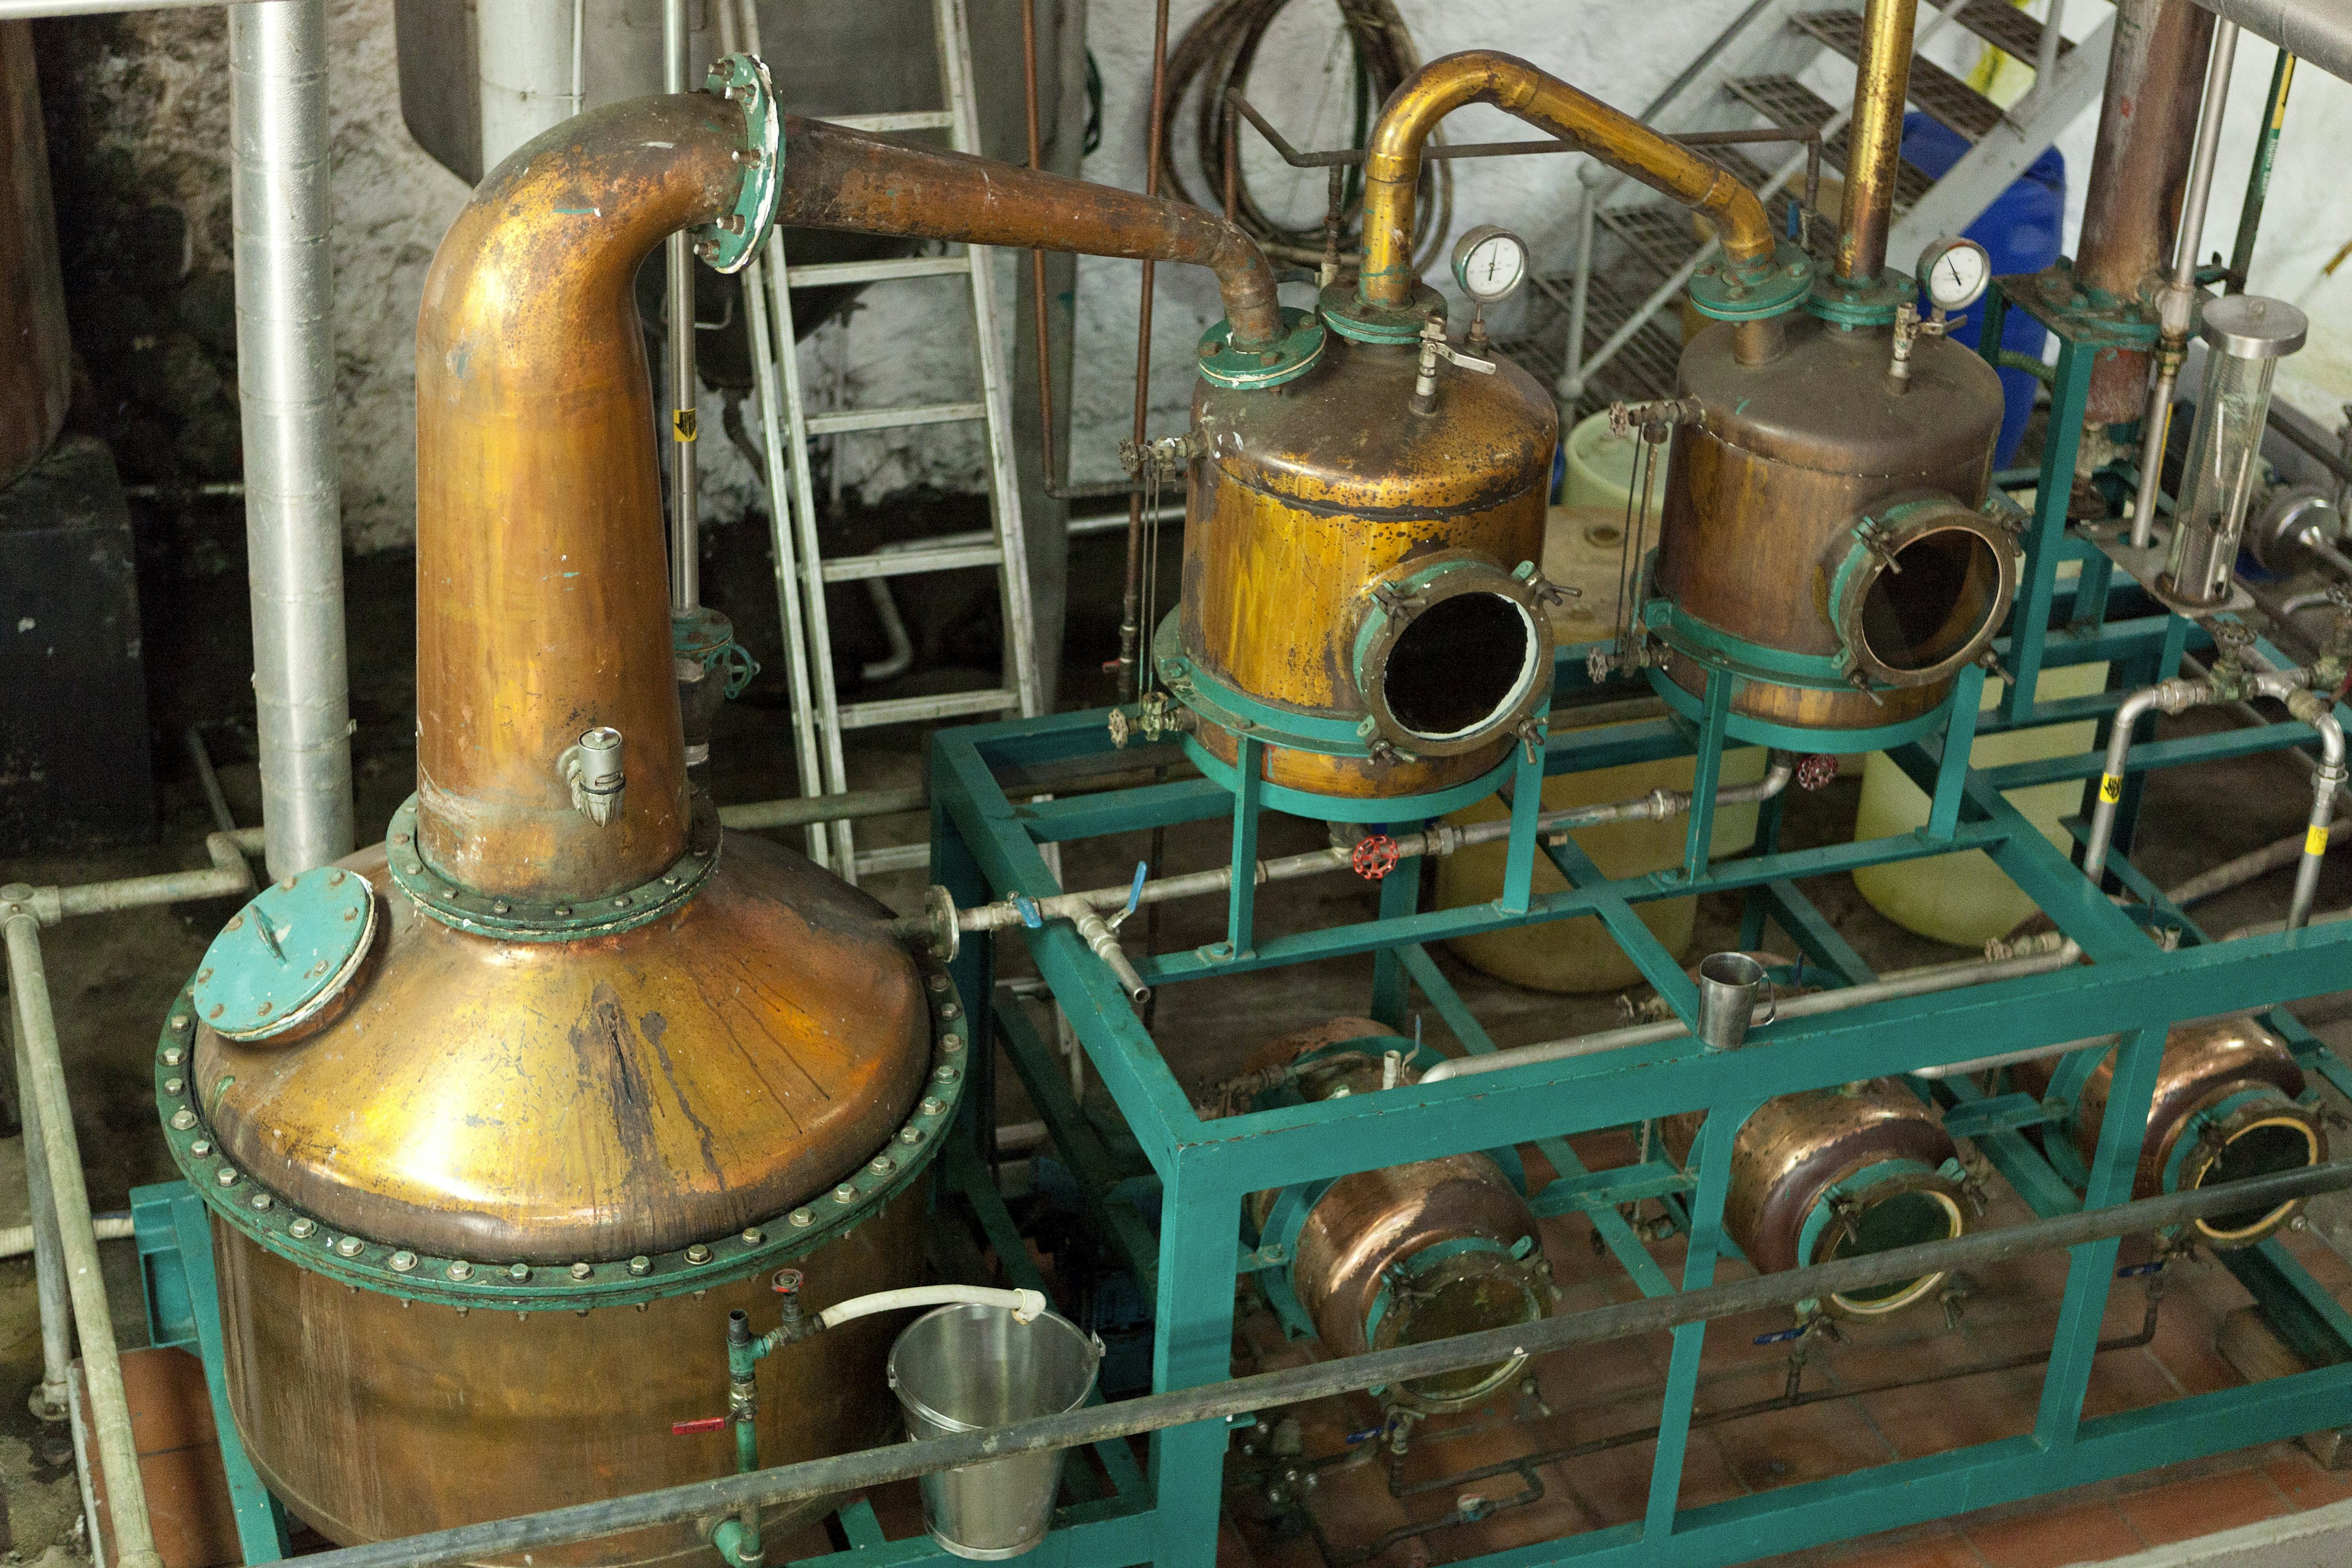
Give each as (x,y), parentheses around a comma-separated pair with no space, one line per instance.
(966,1369)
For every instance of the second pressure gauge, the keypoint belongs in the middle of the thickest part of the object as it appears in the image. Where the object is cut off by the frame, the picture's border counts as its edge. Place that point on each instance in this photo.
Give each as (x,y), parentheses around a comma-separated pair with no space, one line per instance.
(1955,273)
(1490,263)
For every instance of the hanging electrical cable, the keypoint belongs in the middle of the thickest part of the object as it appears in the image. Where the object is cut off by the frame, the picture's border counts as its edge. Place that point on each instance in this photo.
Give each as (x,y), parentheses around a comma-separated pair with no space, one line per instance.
(1218,52)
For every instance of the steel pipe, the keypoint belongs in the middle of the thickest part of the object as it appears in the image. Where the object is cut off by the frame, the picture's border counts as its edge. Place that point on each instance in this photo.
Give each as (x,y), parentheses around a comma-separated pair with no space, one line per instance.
(1392,165)
(44,1091)
(51,1397)
(2319,31)
(1906,982)
(2175,306)
(286,391)
(846,1473)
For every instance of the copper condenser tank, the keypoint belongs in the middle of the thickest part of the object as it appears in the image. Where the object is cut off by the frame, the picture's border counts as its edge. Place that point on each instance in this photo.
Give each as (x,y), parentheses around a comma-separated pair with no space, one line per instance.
(1396,1256)
(499,1120)
(2229,1103)
(1840,1172)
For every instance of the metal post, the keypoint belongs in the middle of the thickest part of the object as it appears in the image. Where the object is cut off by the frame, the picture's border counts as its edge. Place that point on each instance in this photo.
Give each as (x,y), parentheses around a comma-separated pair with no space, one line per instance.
(1588,208)
(1959,739)
(1527,804)
(49,1395)
(1713,1157)
(45,1098)
(286,388)
(1249,791)
(685,564)
(2070,394)
(1392,985)
(2258,178)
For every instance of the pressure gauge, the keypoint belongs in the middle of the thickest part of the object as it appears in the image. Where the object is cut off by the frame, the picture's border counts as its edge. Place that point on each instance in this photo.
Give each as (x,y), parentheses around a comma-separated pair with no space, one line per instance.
(1490,263)
(1955,273)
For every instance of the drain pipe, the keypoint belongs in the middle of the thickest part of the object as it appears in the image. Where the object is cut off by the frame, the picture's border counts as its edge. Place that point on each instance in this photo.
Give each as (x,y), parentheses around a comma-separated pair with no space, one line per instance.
(48,1108)
(286,389)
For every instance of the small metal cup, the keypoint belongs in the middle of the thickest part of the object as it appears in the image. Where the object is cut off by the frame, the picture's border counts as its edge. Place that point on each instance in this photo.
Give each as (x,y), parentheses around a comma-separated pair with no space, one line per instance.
(1730,987)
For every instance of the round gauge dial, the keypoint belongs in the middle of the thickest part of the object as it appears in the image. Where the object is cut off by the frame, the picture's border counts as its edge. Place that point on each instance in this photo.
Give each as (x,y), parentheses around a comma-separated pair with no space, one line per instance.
(1955,273)
(1490,263)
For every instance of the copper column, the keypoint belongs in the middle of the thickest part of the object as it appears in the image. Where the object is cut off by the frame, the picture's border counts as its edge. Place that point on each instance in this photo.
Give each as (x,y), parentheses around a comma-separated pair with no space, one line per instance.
(1881,88)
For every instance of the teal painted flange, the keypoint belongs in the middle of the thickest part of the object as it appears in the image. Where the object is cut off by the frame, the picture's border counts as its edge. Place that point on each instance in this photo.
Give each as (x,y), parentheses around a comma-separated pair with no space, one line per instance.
(707,637)
(1332,735)
(1351,318)
(284,956)
(368,1263)
(1300,346)
(525,919)
(1668,623)
(1730,293)
(729,243)
(1859,304)
(1792,738)
(1349,808)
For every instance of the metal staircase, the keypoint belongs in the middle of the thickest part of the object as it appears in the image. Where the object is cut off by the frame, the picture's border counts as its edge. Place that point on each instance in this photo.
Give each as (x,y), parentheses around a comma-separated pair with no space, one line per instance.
(1635,248)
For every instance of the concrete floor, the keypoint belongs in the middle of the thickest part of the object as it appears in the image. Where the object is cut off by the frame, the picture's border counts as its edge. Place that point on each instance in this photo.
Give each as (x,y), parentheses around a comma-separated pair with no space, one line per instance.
(112,976)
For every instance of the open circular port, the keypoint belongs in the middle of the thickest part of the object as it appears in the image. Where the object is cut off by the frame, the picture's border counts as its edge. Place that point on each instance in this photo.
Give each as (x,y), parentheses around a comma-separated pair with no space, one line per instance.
(1902,1218)
(1473,1291)
(2262,1148)
(1459,666)
(1921,588)
(1450,656)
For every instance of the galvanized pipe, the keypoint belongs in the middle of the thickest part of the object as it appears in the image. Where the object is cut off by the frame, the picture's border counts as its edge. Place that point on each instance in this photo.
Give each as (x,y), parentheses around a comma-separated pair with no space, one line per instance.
(45,1098)
(2175,308)
(286,391)
(43,1240)
(847,1473)
(1906,982)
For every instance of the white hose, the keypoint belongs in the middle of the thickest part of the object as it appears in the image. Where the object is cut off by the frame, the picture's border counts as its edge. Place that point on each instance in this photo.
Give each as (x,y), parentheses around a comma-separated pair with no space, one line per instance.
(16,1240)
(1025,1305)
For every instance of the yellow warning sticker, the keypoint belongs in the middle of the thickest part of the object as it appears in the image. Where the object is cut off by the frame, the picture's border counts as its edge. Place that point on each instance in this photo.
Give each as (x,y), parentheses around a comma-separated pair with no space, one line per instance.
(682,423)
(2111,787)
(2314,841)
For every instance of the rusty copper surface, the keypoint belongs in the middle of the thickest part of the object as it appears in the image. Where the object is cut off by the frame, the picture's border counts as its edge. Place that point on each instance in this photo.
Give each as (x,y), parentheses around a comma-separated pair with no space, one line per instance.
(373,1418)
(1794,1148)
(839,179)
(2140,171)
(1882,86)
(538,512)
(1761,500)
(1310,492)
(2204,1063)
(1393,162)
(553,1102)
(36,368)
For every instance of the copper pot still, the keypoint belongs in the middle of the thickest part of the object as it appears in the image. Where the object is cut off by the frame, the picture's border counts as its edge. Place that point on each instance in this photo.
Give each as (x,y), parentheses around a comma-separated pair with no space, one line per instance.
(1404,1253)
(2228,1105)
(1840,1173)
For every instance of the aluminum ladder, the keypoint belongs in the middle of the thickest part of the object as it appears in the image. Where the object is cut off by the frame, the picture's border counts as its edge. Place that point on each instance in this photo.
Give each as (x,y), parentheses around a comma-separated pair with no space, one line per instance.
(803,572)
(1609,335)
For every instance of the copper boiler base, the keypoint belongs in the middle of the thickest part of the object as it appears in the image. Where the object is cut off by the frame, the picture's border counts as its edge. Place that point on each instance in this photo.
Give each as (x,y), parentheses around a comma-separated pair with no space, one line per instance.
(373,1418)
(1358,778)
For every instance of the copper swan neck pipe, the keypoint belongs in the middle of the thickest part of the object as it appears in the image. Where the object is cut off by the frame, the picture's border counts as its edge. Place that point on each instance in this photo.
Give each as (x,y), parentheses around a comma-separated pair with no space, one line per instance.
(542,610)
(835,178)
(1392,165)
(1882,84)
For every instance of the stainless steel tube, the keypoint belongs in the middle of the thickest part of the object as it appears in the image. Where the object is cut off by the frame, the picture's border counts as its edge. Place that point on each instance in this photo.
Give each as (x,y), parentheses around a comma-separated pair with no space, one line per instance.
(684,536)
(2175,308)
(286,388)
(44,1089)
(2172,697)
(2319,714)
(50,1395)
(1907,983)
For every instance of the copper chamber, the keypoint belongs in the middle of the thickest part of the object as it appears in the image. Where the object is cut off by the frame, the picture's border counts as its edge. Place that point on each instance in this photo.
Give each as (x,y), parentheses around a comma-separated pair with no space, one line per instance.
(1406,1253)
(2227,1106)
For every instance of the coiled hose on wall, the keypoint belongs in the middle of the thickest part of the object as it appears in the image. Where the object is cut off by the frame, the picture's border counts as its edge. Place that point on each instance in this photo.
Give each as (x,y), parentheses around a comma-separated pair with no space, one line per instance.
(1217,53)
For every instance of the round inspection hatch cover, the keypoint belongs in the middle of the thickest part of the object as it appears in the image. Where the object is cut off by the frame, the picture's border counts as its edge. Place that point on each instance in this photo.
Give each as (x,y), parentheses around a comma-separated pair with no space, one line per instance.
(286,955)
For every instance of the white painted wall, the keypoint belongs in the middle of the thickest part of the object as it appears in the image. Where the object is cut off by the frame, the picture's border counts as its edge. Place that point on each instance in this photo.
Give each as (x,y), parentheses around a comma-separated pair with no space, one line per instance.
(167,92)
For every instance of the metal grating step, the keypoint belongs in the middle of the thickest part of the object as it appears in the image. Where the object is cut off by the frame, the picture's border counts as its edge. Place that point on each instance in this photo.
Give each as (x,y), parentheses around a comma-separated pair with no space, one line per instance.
(2008,29)
(1938,91)
(818,274)
(1660,233)
(1785,100)
(924,709)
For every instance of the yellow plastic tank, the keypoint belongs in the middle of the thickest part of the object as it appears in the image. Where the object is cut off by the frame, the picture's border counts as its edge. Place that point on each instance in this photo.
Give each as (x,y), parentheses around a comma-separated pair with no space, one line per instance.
(1581,549)
(1965,899)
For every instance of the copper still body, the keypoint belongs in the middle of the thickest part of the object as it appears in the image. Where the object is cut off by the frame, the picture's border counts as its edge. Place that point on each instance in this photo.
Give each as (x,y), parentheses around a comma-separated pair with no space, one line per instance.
(2228,1105)
(1840,1173)
(36,356)
(1403,1253)
(1822,545)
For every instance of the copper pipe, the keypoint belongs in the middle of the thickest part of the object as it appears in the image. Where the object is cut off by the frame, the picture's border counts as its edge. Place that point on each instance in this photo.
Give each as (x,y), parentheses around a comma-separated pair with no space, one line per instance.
(2147,124)
(835,178)
(1393,165)
(542,609)
(1881,88)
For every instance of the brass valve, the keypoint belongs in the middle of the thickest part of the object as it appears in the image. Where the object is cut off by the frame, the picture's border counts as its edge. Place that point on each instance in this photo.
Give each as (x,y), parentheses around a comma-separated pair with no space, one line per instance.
(1433,347)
